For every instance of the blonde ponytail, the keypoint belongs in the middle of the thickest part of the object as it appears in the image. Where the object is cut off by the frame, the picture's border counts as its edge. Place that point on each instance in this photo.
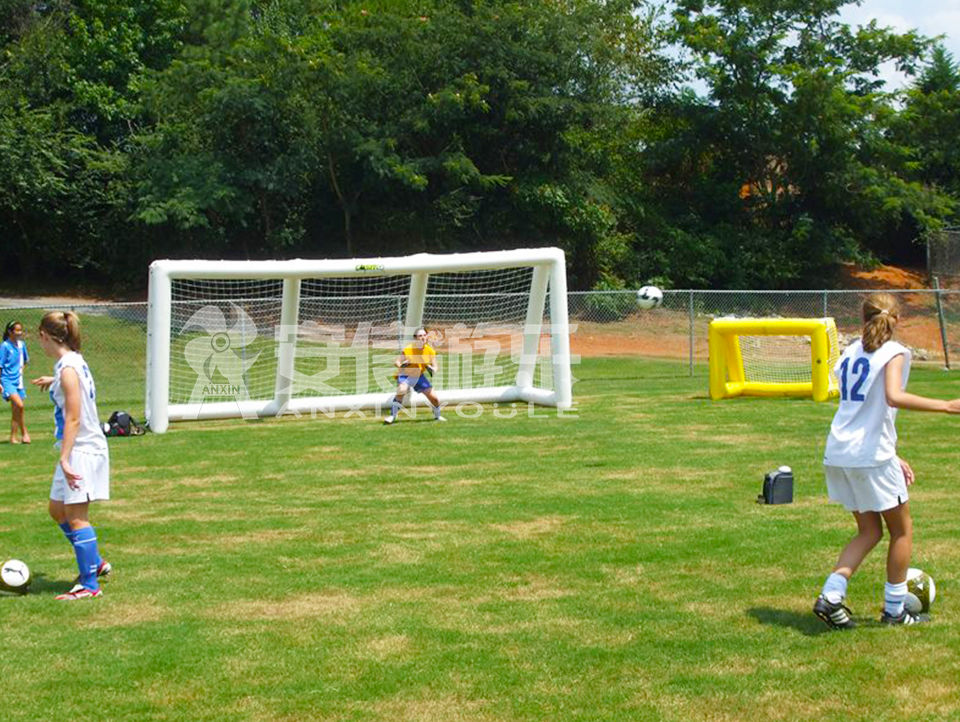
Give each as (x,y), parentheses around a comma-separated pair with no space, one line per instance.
(63,327)
(881,311)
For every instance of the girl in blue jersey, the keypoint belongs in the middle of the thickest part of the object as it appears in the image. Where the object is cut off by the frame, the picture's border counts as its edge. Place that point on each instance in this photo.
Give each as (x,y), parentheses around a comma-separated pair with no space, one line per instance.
(13,357)
(82,474)
(862,468)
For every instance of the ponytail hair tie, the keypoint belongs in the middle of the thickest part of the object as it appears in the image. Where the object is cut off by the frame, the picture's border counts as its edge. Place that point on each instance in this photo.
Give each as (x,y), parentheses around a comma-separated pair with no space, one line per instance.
(883,312)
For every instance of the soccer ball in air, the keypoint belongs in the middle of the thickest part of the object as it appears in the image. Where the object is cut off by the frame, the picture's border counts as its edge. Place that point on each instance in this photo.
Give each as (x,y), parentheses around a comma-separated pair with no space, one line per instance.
(14,577)
(649,297)
(921,591)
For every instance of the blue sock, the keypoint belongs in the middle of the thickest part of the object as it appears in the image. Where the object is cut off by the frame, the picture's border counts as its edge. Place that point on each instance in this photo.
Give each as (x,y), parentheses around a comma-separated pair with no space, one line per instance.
(67,531)
(395,408)
(85,546)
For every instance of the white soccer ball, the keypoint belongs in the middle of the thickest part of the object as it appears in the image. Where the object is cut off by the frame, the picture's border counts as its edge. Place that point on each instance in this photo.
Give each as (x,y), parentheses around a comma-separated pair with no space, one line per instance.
(649,297)
(921,588)
(14,577)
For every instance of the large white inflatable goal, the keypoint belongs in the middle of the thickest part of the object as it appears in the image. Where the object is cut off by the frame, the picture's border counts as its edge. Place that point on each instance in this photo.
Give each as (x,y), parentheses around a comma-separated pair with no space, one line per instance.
(262,338)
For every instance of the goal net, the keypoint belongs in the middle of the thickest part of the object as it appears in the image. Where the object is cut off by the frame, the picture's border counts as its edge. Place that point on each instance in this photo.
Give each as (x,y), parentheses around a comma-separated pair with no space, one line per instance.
(773,357)
(249,339)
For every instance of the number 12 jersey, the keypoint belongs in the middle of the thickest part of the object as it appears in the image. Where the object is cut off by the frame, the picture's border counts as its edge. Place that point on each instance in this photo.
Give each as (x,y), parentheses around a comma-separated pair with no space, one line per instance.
(863,431)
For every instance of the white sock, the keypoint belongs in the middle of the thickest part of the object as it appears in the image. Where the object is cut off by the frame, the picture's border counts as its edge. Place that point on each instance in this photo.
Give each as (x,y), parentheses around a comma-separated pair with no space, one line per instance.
(893,596)
(436,412)
(395,408)
(835,588)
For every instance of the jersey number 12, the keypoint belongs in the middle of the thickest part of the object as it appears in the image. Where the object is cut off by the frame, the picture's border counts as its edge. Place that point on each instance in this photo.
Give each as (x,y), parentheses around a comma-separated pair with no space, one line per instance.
(858,374)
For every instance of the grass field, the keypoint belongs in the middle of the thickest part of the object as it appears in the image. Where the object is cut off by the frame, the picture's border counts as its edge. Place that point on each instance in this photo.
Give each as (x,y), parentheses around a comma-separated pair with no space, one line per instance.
(611,565)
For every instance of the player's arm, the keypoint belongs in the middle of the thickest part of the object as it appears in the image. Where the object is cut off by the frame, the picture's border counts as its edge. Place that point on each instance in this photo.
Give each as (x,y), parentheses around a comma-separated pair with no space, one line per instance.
(70,383)
(43,382)
(401,361)
(900,399)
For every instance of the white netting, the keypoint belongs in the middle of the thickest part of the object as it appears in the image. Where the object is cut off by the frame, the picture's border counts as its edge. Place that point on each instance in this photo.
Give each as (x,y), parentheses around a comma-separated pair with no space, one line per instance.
(348,334)
(783,359)
(224,334)
(221,337)
(480,317)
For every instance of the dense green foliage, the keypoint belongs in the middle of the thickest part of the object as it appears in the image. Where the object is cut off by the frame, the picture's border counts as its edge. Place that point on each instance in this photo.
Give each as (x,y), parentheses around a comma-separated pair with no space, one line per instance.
(250,128)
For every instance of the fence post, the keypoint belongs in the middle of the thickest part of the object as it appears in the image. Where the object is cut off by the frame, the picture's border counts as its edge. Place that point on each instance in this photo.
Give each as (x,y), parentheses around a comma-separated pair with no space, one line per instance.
(943,325)
(691,332)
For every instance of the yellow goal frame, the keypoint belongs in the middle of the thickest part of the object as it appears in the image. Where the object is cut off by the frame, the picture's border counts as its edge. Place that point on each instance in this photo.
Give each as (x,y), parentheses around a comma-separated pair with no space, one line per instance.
(727,379)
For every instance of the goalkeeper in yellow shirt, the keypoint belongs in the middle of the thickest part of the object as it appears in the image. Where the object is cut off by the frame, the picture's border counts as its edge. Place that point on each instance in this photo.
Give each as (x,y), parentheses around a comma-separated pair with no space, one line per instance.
(416,364)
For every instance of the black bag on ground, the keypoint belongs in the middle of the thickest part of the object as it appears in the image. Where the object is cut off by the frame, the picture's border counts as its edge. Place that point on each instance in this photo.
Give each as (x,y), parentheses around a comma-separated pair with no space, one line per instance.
(121,423)
(777,487)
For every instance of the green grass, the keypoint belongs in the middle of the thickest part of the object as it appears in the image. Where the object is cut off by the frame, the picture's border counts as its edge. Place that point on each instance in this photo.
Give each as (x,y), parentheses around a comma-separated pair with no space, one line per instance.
(608,565)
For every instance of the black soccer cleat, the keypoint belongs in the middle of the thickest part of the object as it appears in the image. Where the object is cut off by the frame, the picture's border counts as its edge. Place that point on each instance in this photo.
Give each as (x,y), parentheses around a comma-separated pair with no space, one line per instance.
(904,617)
(835,616)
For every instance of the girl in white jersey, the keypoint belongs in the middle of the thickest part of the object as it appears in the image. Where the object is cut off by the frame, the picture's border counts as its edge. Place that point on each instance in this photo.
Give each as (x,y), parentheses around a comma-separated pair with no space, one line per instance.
(862,468)
(83,471)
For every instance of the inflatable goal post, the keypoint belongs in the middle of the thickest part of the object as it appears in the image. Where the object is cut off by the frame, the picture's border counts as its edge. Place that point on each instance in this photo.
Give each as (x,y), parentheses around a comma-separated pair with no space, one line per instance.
(263,338)
(773,357)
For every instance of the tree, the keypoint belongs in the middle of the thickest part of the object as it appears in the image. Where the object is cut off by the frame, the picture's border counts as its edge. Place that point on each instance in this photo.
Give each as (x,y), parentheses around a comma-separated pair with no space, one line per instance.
(929,126)
(394,126)
(786,166)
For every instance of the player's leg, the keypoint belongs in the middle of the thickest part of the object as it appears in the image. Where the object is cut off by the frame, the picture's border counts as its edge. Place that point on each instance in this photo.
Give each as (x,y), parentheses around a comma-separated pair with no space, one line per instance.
(829,605)
(900,525)
(869,534)
(17,423)
(73,505)
(434,402)
(84,545)
(8,394)
(58,512)
(397,403)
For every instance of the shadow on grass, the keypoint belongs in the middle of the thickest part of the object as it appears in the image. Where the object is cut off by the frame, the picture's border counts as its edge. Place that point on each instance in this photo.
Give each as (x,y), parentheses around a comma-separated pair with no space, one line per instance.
(805,623)
(43,585)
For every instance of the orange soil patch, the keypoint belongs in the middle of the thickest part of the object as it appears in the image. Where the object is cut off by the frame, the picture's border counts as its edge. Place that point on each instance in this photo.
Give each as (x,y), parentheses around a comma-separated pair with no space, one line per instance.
(882,277)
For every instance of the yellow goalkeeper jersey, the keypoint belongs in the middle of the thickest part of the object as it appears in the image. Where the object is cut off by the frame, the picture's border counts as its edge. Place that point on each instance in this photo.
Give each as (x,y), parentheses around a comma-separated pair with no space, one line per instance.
(418,358)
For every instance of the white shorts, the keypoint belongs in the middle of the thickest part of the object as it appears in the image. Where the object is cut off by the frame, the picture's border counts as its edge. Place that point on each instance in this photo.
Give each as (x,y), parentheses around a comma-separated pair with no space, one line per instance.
(95,484)
(867,488)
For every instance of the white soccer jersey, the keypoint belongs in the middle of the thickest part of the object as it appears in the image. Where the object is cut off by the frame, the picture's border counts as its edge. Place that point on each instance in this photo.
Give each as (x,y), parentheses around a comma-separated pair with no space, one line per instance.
(863,431)
(90,438)
(24,358)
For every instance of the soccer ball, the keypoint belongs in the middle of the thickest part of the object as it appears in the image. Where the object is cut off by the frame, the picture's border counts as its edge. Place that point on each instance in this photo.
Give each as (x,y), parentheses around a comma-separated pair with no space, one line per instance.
(649,297)
(921,591)
(14,577)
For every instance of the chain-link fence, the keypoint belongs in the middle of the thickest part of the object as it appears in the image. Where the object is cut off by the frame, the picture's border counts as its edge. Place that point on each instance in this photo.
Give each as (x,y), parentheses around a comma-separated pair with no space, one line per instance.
(609,322)
(943,256)
(604,323)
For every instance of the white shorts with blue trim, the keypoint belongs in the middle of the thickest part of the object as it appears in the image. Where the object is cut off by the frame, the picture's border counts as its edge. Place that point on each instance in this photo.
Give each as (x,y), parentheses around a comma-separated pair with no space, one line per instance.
(867,488)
